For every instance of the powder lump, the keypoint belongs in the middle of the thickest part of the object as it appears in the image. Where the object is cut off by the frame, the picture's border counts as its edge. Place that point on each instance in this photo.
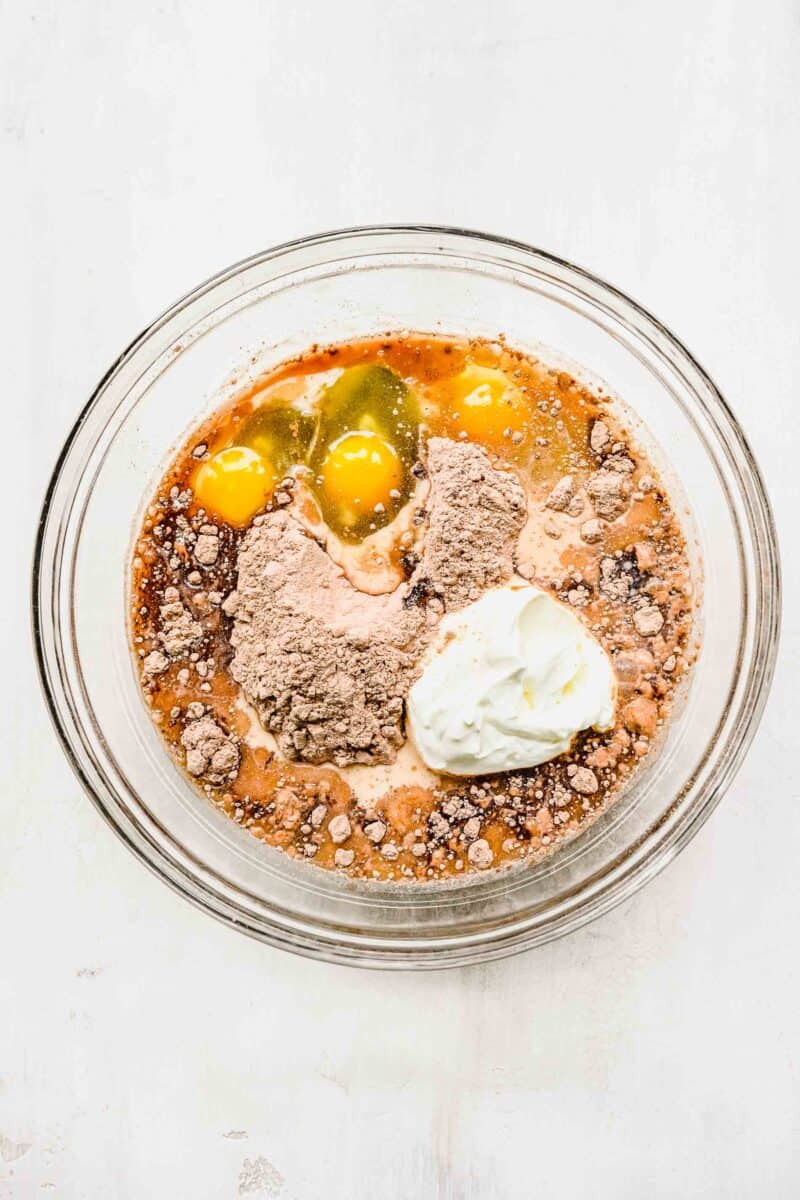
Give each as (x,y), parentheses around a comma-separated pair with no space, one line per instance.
(475,514)
(326,667)
(210,753)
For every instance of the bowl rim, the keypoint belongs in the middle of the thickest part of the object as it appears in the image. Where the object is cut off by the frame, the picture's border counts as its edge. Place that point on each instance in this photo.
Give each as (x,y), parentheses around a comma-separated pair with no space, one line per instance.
(378,951)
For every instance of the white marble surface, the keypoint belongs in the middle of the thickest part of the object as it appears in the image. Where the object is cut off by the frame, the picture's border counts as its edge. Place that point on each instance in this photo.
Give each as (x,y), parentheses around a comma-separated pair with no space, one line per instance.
(146,1051)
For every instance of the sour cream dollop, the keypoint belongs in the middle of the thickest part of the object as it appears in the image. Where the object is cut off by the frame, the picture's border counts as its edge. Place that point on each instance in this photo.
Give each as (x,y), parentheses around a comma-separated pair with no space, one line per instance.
(509,682)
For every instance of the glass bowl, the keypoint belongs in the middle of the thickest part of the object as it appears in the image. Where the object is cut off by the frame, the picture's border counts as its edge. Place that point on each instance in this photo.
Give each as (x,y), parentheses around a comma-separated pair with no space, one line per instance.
(328,288)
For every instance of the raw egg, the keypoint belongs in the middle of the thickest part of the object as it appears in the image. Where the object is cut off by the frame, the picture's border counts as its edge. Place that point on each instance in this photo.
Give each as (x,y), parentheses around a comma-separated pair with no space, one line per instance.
(280,434)
(364,450)
(361,470)
(487,406)
(235,484)
(373,398)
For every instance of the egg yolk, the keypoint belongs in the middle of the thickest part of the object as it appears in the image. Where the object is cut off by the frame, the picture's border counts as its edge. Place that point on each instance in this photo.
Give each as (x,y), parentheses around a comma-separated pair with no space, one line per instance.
(235,484)
(486,406)
(360,471)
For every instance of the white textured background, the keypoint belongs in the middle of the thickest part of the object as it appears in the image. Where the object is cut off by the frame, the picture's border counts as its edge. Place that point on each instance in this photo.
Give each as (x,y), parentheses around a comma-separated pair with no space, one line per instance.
(146,1051)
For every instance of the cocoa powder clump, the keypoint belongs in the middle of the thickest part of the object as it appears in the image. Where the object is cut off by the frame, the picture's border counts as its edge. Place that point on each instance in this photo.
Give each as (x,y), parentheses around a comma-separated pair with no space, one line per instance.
(179,631)
(609,492)
(475,515)
(211,754)
(327,667)
(561,495)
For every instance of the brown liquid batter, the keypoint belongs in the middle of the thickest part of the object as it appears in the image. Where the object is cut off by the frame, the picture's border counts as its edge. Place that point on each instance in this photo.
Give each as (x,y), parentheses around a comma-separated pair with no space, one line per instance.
(601,536)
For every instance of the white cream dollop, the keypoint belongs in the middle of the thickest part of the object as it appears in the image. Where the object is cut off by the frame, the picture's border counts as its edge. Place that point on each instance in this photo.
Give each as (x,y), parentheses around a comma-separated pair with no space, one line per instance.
(509,682)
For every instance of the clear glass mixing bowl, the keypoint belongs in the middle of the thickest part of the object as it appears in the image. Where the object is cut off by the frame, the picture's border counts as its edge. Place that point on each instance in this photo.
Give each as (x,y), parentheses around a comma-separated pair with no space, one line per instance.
(327,288)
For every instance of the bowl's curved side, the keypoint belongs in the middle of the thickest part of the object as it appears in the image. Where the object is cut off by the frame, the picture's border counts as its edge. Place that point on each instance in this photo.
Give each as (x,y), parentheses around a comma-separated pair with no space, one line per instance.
(53,617)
